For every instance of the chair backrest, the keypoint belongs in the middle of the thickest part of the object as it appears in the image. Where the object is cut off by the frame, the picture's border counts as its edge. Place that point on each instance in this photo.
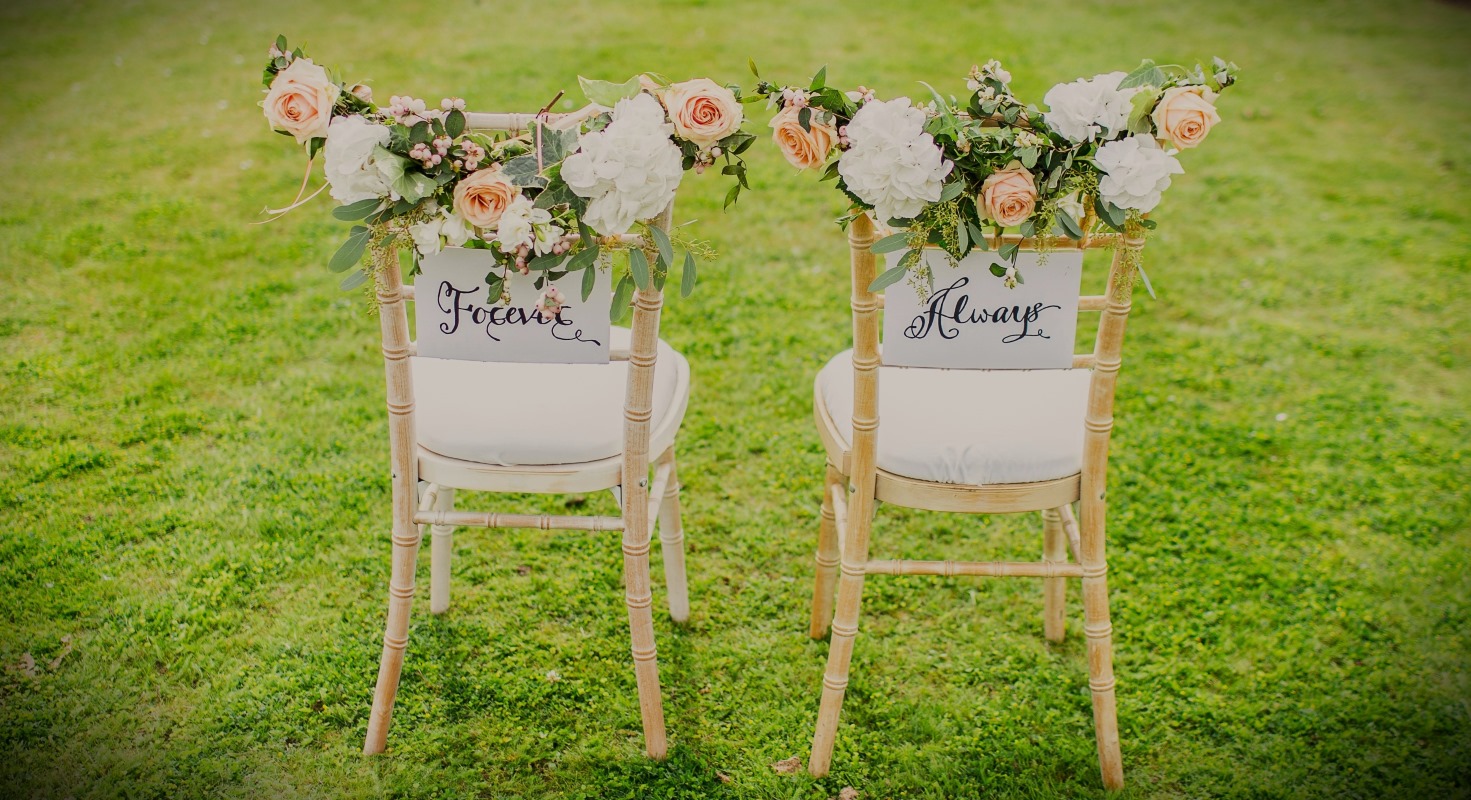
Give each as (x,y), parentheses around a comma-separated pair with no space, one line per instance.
(398,345)
(1105,359)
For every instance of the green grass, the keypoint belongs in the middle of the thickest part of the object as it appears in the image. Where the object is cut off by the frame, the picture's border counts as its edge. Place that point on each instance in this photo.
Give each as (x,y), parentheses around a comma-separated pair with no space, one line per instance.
(193,459)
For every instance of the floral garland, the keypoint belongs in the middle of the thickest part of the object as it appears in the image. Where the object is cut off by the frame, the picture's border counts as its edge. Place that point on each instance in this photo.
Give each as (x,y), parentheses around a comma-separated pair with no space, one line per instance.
(945,172)
(551,200)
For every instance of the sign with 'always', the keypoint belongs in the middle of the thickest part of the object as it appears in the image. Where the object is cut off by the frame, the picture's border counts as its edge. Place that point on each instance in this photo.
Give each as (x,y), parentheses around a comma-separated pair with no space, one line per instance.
(972,321)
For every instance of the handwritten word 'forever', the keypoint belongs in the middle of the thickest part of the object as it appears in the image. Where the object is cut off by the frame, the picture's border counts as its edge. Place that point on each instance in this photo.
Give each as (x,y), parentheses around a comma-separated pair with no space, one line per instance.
(454,301)
(947,310)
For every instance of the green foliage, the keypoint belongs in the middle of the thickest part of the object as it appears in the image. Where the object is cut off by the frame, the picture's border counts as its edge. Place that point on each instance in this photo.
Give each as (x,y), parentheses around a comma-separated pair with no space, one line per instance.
(194,459)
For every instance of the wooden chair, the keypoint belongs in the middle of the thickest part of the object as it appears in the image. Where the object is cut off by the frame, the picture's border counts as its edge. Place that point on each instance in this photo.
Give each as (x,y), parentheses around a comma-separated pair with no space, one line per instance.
(425,479)
(856,481)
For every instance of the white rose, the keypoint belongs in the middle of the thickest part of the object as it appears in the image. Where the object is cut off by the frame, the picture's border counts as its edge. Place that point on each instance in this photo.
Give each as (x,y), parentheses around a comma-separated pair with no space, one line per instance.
(514,229)
(1083,109)
(628,170)
(1136,172)
(349,159)
(441,228)
(892,164)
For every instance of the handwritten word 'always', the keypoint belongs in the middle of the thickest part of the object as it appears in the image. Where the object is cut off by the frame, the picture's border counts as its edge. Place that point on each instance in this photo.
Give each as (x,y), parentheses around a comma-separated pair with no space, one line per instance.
(947,310)
(454,301)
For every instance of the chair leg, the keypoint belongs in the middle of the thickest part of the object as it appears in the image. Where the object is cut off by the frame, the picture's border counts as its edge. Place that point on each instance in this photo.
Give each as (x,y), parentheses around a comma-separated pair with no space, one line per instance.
(441,545)
(840,646)
(671,543)
(1099,631)
(827,558)
(1054,590)
(395,637)
(640,601)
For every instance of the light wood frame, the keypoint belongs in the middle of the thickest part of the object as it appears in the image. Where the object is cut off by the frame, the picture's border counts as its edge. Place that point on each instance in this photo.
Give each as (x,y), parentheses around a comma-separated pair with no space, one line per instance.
(424,484)
(854,485)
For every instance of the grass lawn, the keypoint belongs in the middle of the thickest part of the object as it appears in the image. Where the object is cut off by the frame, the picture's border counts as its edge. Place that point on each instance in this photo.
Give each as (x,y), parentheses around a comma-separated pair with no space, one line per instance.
(193,462)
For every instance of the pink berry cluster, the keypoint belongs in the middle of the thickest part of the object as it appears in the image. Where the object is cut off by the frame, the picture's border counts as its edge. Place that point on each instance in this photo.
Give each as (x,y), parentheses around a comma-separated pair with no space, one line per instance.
(409,111)
(550,304)
(792,97)
(474,154)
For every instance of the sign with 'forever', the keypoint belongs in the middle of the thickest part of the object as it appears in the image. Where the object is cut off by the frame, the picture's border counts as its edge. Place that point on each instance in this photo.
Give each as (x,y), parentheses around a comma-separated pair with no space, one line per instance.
(456,319)
(972,321)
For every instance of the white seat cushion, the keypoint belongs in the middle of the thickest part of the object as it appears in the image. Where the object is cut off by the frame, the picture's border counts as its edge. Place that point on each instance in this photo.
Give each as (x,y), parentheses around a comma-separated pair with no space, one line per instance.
(965,426)
(512,414)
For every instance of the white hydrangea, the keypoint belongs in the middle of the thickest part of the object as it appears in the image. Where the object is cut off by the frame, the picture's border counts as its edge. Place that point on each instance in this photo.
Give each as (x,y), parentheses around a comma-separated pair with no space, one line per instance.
(1136,172)
(1084,109)
(892,164)
(441,228)
(524,224)
(628,170)
(348,159)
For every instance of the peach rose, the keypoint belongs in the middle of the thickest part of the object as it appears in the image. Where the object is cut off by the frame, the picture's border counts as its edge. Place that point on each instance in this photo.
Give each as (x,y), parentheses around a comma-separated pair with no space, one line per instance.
(702,111)
(481,198)
(803,149)
(1185,115)
(300,100)
(1010,196)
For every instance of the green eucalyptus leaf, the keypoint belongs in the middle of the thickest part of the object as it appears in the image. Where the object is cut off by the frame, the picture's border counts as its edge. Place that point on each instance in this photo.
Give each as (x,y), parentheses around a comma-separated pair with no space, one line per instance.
(977,235)
(585,258)
(687,280)
(621,295)
(354,280)
(638,266)
(889,277)
(589,280)
(951,191)
(356,211)
(1069,225)
(891,243)
(666,248)
(545,262)
(351,251)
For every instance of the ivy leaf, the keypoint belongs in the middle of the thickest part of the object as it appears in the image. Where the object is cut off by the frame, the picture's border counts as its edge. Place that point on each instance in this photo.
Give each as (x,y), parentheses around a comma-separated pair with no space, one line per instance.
(607,93)
(351,251)
(666,249)
(555,145)
(356,211)
(638,266)
(890,244)
(687,280)
(522,171)
(589,279)
(411,185)
(621,295)
(1146,74)
(1143,105)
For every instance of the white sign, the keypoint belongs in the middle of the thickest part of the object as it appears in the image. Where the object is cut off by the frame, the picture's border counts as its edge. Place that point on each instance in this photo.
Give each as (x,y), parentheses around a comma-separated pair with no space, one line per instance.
(456,319)
(972,321)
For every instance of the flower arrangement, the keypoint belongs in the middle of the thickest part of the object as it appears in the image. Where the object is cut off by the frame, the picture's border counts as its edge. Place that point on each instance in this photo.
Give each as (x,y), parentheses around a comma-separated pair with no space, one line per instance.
(946,173)
(555,199)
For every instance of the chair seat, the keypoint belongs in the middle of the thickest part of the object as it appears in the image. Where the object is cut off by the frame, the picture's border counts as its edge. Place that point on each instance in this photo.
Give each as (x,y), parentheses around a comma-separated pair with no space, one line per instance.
(972,427)
(515,414)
